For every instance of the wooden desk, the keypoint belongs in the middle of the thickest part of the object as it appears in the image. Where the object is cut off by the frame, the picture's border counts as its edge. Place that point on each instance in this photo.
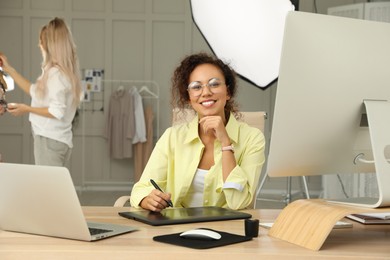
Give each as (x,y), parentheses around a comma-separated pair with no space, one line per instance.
(360,242)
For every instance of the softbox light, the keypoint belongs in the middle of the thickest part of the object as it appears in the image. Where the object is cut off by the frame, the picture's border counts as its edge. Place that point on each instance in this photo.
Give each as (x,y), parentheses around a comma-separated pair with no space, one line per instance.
(246,33)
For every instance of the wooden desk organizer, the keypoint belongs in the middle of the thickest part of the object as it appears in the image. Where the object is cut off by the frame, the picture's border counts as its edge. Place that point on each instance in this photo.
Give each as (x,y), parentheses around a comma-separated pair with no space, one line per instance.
(307,223)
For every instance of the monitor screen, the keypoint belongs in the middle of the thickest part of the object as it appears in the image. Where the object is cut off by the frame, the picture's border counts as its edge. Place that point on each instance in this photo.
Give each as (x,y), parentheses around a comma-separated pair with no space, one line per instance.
(329,66)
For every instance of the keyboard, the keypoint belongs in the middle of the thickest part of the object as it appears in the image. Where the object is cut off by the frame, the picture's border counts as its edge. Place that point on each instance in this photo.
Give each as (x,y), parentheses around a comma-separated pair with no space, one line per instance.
(96,231)
(356,200)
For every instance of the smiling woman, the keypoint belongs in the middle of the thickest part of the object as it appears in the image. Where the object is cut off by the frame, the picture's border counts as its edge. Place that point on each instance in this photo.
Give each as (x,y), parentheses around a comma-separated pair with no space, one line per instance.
(213,160)
(185,76)
(207,100)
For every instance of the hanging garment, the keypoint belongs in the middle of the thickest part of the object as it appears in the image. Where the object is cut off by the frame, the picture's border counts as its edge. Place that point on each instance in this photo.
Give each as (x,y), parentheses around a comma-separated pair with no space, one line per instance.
(144,150)
(139,117)
(120,124)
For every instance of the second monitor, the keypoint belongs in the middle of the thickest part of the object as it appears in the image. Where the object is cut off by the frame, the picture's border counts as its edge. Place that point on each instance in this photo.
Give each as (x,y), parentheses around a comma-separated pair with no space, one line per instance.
(332,69)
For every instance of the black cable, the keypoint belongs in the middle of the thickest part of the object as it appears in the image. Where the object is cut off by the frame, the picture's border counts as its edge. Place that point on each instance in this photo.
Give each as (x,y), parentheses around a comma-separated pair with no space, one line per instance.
(342,186)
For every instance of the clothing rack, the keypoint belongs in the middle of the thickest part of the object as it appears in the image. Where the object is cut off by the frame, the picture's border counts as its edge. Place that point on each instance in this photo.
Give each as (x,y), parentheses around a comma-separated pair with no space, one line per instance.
(148,89)
(98,104)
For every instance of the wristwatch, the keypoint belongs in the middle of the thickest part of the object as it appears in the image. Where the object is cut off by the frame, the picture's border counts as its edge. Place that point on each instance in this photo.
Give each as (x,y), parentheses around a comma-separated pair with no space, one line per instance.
(228,148)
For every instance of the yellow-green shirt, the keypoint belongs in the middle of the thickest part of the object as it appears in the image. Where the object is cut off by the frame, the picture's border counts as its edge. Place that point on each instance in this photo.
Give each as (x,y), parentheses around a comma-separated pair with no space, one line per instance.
(177,154)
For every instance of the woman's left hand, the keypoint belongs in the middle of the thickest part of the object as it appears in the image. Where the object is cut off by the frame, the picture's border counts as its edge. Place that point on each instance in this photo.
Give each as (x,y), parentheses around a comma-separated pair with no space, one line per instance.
(17,109)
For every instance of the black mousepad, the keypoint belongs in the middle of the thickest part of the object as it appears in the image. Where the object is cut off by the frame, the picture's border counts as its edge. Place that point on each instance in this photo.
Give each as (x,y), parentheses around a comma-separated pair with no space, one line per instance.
(226,239)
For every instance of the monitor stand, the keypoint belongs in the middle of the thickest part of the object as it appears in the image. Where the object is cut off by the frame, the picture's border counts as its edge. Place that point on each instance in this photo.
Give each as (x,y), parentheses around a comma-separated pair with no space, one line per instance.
(378,115)
(308,222)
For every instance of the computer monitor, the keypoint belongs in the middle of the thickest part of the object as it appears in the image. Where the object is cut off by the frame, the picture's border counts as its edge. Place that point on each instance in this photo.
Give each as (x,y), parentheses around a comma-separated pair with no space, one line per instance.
(332,70)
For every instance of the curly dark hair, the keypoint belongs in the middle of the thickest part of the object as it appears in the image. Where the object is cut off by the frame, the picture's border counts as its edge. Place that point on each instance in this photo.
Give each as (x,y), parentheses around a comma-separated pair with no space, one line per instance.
(181,75)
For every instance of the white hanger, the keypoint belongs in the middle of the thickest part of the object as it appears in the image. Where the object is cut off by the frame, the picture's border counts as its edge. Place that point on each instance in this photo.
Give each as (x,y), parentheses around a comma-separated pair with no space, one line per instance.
(147,90)
(120,88)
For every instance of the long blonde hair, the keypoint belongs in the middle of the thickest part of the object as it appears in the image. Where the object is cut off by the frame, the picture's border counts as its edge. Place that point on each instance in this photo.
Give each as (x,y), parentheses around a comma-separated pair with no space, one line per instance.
(59,50)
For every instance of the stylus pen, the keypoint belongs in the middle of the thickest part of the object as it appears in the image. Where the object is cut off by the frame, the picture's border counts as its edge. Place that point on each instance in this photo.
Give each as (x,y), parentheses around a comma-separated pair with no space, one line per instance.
(158,188)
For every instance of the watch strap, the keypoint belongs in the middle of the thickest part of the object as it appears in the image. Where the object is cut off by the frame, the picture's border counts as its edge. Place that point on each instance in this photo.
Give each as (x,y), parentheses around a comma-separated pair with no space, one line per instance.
(228,148)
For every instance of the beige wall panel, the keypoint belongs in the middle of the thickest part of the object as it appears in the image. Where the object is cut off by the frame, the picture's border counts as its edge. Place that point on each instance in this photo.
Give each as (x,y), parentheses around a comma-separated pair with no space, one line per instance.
(93,157)
(90,122)
(198,42)
(90,36)
(323,5)
(89,155)
(52,5)
(128,50)
(97,165)
(128,6)
(76,166)
(168,50)
(89,160)
(11,4)
(169,6)
(252,98)
(11,36)
(13,129)
(28,144)
(121,170)
(36,25)
(89,5)
(8,123)
(11,146)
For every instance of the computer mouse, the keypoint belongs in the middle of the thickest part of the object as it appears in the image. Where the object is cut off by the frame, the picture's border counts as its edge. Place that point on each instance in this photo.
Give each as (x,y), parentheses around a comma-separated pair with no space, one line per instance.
(201,234)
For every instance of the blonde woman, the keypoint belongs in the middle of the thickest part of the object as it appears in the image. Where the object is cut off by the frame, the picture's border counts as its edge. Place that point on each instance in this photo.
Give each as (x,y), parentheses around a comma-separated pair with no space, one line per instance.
(54,96)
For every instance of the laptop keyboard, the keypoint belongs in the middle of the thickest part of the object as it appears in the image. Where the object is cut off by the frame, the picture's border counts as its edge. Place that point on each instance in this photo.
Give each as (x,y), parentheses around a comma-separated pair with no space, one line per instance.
(96,231)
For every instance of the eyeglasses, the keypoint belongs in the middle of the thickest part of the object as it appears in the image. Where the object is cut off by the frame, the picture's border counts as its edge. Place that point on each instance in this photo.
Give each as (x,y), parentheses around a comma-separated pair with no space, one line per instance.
(195,88)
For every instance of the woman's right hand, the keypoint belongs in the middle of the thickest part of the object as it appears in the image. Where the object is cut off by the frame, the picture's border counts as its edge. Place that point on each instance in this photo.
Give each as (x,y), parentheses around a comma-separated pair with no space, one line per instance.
(21,81)
(4,62)
(156,201)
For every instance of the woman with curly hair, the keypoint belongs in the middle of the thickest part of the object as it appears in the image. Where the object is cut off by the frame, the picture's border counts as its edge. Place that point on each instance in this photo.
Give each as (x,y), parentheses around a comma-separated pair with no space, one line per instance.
(214,160)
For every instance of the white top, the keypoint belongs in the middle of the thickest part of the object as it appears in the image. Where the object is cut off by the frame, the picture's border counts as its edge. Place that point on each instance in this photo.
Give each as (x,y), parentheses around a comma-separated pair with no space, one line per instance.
(58,98)
(139,117)
(194,196)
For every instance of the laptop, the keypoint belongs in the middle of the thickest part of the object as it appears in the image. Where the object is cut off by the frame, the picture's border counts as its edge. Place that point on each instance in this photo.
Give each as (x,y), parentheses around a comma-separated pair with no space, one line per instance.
(171,216)
(42,200)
